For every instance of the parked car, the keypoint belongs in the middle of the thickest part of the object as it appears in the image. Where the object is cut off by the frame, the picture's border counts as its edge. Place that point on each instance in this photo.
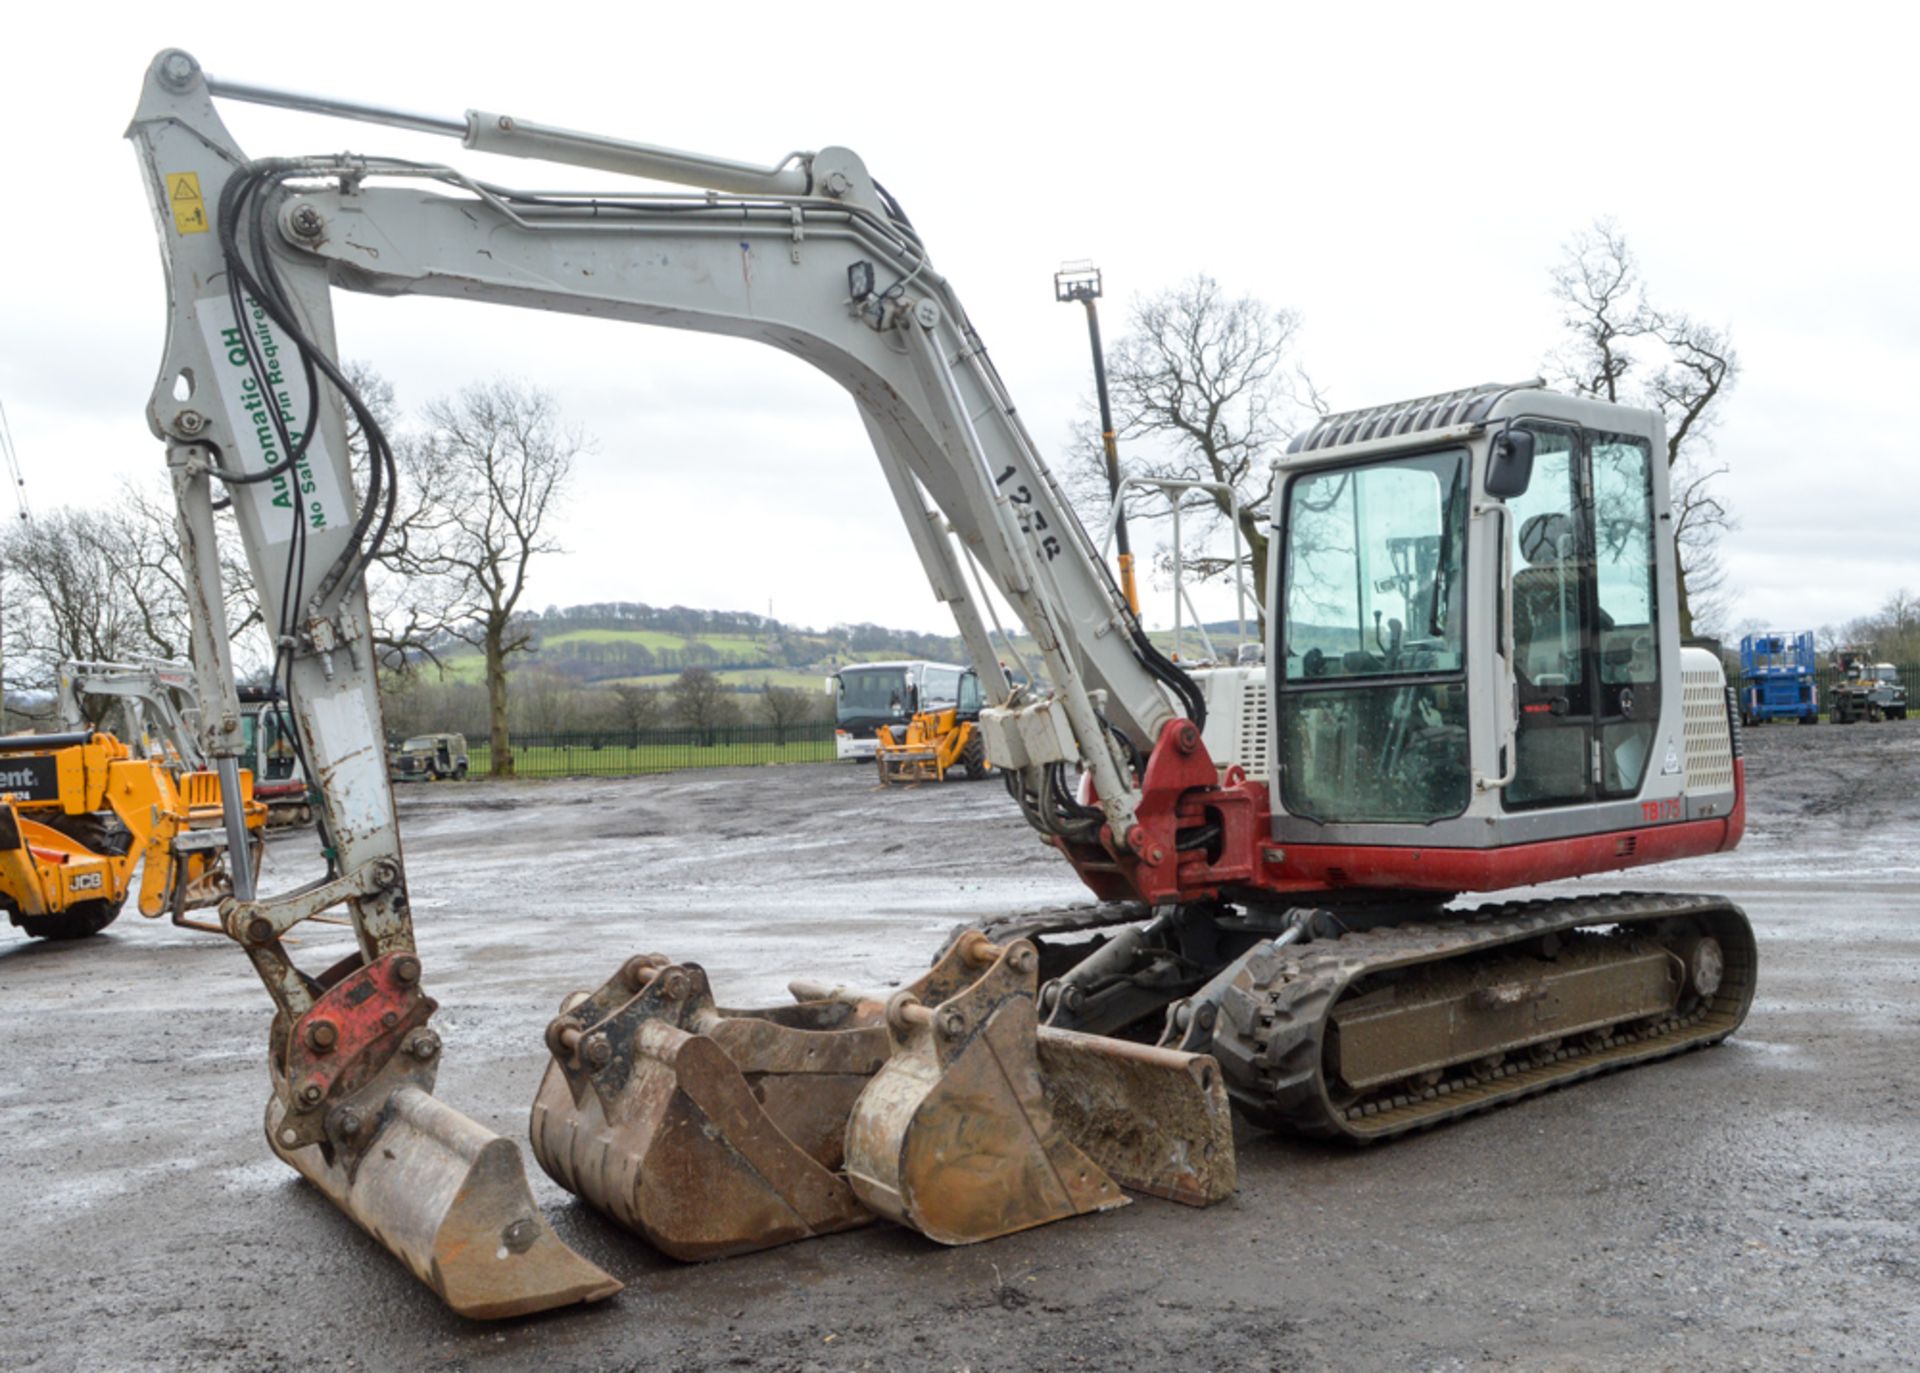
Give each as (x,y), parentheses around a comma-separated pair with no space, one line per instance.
(430,758)
(1867,690)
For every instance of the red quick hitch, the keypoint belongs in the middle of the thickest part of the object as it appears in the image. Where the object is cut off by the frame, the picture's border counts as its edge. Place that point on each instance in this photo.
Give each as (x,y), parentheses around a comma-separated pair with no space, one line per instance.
(366,1016)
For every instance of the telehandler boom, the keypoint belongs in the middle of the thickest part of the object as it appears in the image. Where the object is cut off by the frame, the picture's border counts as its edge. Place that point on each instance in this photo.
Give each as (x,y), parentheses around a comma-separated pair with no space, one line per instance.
(1473,682)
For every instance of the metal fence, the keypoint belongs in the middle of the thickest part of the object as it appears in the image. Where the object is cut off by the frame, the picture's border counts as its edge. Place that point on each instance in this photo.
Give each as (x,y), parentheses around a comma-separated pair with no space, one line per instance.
(631,753)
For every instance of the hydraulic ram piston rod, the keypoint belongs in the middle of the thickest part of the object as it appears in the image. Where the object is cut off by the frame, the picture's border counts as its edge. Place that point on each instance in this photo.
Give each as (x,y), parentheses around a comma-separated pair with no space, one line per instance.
(499,133)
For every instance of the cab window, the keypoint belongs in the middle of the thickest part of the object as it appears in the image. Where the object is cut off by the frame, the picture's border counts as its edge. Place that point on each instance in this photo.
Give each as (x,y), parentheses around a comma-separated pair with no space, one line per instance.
(1373,693)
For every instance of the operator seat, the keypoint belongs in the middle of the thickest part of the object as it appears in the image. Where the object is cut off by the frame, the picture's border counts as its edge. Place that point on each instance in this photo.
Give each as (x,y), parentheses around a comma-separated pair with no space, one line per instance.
(1549,663)
(1546,603)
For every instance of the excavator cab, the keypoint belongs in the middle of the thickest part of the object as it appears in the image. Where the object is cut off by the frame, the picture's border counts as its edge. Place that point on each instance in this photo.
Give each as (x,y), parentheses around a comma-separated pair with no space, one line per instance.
(1475,675)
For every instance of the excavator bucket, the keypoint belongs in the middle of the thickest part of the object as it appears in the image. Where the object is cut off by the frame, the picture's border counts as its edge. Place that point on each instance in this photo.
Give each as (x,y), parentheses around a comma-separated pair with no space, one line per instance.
(1158,1120)
(714,1132)
(711,1132)
(445,1195)
(449,1198)
(954,1136)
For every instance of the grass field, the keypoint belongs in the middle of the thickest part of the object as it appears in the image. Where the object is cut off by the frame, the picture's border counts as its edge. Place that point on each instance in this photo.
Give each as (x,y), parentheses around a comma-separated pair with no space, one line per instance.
(726,645)
(613,760)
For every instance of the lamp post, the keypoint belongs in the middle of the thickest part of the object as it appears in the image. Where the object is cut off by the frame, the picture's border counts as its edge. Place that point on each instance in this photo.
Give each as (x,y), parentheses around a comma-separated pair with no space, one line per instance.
(1080,281)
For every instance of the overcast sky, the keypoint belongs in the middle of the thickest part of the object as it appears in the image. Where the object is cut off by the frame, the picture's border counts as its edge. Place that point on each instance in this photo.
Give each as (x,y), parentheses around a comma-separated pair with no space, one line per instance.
(1404,177)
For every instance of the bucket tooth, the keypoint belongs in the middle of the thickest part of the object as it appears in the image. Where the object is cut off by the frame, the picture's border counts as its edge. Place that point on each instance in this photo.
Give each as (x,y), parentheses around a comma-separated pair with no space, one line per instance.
(954,1136)
(709,1132)
(449,1198)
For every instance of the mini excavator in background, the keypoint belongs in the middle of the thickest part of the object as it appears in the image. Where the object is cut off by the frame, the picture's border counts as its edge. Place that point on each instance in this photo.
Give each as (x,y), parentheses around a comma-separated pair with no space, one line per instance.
(156,707)
(1473,683)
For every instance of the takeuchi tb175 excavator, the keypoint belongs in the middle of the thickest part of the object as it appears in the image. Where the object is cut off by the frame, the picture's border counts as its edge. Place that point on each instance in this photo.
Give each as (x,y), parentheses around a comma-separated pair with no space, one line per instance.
(1473,683)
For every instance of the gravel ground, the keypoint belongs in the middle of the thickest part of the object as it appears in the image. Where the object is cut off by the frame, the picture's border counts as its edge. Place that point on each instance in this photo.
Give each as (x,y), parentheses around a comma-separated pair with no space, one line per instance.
(1753,1206)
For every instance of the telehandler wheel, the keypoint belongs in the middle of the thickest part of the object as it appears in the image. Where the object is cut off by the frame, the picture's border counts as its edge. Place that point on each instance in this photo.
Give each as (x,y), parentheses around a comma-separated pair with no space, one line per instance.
(80,921)
(974,758)
(100,831)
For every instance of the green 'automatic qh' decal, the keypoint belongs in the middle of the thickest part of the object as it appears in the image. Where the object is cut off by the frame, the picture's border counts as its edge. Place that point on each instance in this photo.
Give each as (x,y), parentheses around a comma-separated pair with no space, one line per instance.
(312,486)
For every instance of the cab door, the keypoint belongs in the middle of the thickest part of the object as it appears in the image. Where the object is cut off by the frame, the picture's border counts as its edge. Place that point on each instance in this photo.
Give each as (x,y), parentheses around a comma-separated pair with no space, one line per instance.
(1585,619)
(1554,734)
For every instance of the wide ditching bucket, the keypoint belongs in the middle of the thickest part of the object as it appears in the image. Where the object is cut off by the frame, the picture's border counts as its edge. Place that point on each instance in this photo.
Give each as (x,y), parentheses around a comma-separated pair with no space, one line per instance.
(714,1132)
(444,1194)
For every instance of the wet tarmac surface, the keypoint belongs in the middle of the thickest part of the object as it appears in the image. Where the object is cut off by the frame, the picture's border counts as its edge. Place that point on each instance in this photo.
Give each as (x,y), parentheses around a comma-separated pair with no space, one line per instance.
(1755,1205)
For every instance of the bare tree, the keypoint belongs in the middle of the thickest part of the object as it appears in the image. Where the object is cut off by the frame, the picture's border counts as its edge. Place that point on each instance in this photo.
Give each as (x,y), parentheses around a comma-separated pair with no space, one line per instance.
(60,595)
(702,702)
(1203,389)
(638,708)
(1901,613)
(105,585)
(1892,633)
(785,708)
(154,581)
(485,477)
(1623,348)
(413,616)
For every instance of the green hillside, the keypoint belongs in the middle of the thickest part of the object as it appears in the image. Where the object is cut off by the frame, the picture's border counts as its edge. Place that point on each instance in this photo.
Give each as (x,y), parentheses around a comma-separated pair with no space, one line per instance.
(602,654)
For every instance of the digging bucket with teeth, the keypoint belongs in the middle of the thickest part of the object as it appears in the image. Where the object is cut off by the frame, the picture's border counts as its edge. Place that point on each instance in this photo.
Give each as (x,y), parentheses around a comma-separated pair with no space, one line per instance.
(710,1132)
(713,1132)
(958,1135)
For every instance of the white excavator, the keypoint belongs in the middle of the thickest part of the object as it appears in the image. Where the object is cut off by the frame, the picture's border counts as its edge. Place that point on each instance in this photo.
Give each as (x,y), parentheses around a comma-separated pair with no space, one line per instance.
(153,704)
(1473,682)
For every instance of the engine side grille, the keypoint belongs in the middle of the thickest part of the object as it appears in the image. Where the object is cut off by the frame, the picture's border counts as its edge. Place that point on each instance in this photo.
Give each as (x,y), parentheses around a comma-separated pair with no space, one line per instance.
(1256,733)
(1708,740)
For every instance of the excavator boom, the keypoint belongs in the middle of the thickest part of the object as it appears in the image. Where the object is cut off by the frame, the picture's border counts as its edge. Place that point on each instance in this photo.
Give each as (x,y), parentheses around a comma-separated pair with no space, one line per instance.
(811,257)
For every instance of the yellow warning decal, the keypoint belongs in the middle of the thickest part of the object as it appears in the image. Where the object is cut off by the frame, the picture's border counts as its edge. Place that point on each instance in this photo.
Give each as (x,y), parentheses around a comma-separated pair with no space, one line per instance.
(189,210)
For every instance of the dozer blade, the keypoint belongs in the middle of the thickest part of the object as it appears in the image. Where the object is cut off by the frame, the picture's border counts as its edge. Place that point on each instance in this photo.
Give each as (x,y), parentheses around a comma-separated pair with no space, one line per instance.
(1158,1120)
(353,1110)
(954,1136)
(449,1198)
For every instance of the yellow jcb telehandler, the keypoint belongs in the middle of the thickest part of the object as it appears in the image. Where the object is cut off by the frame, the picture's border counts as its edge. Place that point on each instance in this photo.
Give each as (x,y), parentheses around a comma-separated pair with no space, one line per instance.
(78,812)
(934,742)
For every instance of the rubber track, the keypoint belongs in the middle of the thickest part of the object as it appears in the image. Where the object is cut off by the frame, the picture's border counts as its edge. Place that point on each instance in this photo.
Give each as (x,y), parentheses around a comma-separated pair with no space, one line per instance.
(1270,1036)
(1061,920)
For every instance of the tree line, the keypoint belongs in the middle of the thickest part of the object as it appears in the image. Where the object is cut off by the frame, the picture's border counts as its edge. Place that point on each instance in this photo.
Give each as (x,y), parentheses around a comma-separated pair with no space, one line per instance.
(1891,633)
(547,704)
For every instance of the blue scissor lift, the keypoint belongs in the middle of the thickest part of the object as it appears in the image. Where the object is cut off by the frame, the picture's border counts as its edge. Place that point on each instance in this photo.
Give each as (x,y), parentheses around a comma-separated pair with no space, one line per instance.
(1779,678)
